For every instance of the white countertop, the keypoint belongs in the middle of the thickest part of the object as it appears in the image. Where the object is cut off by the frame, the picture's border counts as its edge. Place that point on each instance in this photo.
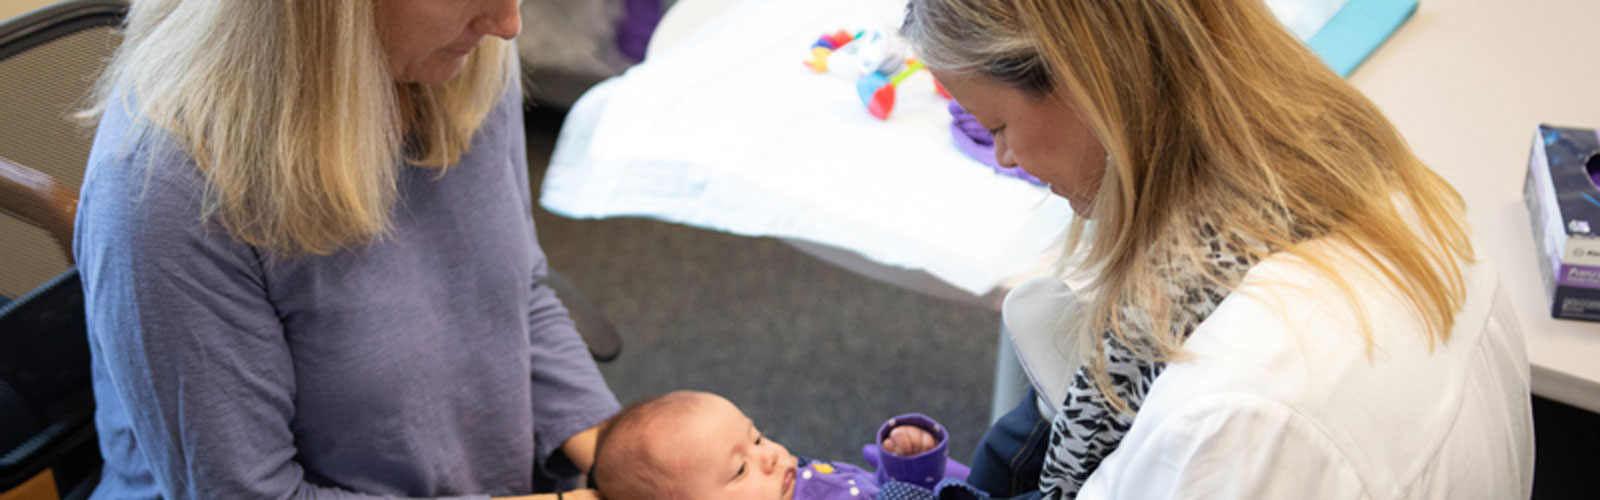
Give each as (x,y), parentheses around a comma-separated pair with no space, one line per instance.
(1466,82)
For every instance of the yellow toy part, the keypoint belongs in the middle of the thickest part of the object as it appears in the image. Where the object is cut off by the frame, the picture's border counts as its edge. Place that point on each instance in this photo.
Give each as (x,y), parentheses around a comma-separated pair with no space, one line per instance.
(818,61)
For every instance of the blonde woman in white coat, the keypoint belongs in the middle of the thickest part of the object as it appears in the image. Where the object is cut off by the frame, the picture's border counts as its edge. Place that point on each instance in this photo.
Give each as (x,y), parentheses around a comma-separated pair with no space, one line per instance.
(1276,298)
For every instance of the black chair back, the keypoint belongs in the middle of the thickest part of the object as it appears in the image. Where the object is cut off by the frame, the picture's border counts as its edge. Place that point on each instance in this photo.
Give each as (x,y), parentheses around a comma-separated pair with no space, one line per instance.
(47,437)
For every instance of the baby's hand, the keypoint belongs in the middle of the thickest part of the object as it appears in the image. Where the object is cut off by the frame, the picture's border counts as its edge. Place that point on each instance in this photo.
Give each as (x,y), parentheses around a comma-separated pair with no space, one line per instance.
(908,440)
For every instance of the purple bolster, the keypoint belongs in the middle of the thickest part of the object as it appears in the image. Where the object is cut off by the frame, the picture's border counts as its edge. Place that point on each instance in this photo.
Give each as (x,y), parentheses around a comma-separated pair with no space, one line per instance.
(638,22)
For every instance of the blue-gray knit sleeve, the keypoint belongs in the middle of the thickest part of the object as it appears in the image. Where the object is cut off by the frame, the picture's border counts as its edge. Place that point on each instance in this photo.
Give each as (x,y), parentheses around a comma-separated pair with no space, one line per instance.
(190,357)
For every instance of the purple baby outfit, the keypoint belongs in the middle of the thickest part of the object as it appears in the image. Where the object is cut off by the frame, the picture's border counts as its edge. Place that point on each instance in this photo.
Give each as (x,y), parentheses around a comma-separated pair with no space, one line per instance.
(821,480)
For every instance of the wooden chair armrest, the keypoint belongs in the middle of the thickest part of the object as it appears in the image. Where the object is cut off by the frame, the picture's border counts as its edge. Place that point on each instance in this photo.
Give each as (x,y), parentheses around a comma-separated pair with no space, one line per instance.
(38,199)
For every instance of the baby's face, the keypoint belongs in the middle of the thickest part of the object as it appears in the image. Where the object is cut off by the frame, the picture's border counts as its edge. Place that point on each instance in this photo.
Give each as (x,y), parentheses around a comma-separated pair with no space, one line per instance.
(720,455)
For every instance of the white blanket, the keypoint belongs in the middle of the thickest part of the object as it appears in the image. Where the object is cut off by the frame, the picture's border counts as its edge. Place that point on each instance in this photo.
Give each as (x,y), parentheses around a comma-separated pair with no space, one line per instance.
(728,130)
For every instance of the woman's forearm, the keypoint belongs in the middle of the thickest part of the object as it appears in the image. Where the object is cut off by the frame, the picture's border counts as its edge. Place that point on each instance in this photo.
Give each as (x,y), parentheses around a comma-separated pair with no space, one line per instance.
(580,448)
(565,495)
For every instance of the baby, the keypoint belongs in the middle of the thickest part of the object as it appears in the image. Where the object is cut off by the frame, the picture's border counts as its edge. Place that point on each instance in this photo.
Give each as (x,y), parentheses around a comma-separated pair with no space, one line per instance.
(699,446)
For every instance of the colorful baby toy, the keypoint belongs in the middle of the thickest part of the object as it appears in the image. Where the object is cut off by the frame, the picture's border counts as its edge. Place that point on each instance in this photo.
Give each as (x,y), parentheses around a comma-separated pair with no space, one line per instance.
(877,65)
(824,47)
(871,59)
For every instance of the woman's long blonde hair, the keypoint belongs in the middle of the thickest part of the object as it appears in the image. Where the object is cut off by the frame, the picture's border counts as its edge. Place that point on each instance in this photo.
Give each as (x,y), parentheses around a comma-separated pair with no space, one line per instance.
(289,111)
(1211,113)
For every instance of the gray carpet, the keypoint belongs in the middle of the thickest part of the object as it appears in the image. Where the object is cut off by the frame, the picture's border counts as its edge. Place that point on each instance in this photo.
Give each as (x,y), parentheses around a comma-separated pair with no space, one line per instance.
(816,355)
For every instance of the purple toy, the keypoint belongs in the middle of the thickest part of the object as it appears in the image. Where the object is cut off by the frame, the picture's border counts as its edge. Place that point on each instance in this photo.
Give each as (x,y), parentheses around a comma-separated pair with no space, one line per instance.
(923,473)
(925,469)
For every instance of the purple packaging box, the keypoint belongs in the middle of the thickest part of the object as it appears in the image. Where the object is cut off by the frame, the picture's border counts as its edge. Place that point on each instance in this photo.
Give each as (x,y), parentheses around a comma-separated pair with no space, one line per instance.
(1564,206)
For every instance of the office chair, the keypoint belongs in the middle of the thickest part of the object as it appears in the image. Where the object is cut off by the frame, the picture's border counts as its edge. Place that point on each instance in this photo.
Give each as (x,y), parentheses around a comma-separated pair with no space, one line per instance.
(48,60)
(48,445)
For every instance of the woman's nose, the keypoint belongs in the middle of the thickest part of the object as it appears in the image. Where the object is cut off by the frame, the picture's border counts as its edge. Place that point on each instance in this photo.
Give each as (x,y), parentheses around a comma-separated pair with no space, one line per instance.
(503,19)
(1002,153)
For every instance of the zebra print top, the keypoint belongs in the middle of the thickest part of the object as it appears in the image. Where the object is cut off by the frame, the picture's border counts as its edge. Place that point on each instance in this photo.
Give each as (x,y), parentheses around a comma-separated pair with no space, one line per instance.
(1085,430)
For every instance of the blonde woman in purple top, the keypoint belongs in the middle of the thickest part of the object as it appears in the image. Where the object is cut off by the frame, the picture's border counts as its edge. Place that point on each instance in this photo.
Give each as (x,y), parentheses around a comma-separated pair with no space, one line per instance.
(311,271)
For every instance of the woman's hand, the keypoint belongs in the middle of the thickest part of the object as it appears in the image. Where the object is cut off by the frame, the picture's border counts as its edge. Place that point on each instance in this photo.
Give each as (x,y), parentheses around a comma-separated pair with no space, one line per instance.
(565,495)
(908,440)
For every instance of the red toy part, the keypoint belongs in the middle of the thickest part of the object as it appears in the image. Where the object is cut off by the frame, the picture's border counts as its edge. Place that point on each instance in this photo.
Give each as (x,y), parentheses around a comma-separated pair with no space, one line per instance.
(838,38)
(882,102)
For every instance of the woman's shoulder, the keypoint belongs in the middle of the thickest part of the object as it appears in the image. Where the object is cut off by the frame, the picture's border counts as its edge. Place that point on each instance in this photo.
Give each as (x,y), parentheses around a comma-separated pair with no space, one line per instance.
(128,148)
(1288,340)
(135,170)
(1287,314)
(141,192)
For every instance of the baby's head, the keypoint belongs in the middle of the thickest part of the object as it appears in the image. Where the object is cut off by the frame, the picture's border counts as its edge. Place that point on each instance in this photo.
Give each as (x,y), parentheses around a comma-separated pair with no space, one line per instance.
(690,446)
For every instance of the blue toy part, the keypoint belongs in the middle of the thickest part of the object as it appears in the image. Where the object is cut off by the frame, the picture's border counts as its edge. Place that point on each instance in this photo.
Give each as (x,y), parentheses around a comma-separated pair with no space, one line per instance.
(868,85)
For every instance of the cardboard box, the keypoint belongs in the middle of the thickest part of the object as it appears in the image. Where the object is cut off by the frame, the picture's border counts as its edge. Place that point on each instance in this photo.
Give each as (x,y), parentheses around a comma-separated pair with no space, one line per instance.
(1564,204)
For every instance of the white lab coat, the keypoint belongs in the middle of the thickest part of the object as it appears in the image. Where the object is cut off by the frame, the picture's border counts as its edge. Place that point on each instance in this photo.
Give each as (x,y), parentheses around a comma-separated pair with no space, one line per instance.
(1280,399)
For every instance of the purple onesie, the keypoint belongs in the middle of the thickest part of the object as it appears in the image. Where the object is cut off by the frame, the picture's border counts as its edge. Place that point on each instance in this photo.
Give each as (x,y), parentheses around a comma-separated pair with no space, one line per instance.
(818,480)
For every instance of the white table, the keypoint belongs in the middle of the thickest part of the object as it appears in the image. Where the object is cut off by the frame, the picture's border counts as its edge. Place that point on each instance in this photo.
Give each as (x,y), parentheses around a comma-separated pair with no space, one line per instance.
(1466,82)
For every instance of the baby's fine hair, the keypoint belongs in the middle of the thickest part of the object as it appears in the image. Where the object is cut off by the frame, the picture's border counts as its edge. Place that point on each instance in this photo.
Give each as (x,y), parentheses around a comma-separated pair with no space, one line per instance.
(625,465)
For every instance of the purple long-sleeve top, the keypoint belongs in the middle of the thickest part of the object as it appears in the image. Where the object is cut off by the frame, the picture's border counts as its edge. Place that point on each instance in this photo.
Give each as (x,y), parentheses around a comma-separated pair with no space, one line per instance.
(431,362)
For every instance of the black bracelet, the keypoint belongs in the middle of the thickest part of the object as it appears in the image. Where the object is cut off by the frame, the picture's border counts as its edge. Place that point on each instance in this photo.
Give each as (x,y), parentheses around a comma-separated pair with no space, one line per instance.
(558,495)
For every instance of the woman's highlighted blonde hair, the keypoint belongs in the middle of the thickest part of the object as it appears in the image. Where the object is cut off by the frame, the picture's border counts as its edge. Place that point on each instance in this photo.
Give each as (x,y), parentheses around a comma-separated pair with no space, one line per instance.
(1211,113)
(289,111)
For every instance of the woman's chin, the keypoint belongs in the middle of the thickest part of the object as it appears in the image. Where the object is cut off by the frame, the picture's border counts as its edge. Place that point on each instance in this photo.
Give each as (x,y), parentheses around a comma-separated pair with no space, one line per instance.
(434,72)
(1079,208)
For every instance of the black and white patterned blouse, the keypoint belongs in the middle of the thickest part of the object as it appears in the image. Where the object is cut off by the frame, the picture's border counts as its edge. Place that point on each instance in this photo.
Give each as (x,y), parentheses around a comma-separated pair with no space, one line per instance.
(1085,429)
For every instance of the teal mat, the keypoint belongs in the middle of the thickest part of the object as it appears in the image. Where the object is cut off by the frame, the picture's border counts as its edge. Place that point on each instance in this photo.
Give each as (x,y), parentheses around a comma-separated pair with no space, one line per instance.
(1357,30)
